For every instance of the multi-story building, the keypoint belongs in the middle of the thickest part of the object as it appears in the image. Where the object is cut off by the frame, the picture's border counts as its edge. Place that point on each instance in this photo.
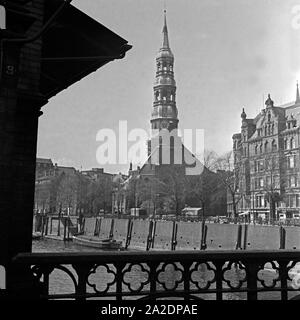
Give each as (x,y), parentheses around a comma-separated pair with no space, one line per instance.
(266,162)
(66,189)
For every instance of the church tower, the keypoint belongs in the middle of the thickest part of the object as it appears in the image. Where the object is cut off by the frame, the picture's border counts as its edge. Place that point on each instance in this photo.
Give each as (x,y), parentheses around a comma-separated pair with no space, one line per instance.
(164,112)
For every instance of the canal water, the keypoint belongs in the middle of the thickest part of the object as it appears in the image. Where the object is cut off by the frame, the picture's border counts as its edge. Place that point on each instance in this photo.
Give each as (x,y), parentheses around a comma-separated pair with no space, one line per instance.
(61,283)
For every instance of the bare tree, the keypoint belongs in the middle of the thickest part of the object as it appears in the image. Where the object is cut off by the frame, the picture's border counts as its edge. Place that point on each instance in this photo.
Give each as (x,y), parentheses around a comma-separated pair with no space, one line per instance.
(230,175)
(204,185)
(274,182)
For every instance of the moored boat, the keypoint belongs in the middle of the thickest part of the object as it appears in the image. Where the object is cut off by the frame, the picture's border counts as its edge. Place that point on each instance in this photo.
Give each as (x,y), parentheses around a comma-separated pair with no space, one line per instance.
(95,242)
(36,235)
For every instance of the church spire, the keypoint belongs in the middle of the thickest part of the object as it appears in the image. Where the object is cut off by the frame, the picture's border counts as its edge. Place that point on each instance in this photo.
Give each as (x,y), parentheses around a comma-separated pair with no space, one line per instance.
(164,111)
(297,94)
(165,32)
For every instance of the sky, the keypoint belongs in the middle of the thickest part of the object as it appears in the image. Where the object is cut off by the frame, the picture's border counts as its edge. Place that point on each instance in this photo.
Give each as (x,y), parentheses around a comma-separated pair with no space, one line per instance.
(228,55)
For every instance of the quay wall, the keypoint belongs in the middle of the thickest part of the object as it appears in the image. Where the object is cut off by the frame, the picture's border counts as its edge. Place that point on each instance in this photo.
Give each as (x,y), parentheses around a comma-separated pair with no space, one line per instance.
(141,234)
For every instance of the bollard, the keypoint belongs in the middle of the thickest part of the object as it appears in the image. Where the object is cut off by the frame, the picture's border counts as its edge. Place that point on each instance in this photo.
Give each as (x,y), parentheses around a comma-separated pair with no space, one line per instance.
(238,245)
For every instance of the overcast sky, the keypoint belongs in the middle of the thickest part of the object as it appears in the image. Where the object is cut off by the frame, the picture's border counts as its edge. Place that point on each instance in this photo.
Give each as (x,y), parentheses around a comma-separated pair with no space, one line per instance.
(228,54)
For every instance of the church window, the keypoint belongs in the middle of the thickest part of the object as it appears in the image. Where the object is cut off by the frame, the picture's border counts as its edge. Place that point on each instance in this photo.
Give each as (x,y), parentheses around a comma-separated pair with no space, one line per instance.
(269,116)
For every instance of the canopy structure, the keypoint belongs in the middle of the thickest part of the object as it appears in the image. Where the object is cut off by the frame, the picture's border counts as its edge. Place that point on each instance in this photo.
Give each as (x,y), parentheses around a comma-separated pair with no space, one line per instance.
(74,46)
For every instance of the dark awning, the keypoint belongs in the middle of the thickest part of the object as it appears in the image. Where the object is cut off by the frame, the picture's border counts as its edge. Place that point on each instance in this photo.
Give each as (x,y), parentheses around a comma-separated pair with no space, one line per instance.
(74,46)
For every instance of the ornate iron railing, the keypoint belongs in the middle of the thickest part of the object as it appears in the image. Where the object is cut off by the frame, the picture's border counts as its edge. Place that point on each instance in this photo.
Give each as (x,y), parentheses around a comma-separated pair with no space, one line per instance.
(189,275)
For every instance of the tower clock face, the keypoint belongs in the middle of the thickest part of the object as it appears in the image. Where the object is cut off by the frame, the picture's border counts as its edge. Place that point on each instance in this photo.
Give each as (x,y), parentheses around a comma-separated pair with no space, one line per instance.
(164,124)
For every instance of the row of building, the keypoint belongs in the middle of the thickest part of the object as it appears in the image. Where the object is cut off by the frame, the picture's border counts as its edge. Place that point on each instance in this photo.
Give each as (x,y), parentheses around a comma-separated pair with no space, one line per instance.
(266,159)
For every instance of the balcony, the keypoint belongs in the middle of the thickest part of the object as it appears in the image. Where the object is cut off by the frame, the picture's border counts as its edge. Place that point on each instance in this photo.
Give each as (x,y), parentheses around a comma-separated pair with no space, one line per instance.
(209,275)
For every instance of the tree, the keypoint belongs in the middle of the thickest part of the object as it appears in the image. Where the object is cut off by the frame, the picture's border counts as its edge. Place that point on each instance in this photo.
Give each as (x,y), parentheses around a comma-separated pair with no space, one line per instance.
(203,186)
(274,183)
(230,175)
(176,182)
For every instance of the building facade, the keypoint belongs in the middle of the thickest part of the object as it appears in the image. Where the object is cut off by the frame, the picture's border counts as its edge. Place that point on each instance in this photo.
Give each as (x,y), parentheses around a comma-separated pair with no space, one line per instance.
(266,162)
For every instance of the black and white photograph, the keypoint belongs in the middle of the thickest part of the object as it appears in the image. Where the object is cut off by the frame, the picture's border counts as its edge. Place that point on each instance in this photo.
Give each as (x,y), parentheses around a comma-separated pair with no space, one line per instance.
(149,154)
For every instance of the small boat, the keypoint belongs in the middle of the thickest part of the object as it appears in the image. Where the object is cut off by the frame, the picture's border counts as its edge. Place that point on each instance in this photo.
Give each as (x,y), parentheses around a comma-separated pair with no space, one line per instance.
(36,235)
(95,242)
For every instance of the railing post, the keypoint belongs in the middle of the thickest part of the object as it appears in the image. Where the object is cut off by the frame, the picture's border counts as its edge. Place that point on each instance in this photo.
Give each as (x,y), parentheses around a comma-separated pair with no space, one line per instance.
(186,278)
(219,279)
(82,271)
(251,272)
(152,278)
(119,280)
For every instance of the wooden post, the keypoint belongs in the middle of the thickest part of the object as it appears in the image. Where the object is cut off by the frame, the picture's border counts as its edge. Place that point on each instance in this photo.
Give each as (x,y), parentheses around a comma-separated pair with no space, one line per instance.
(50,225)
(282,237)
(46,231)
(238,245)
(65,228)
(149,238)
(129,233)
(245,236)
(68,225)
(203,244)
(111,233)
(153,234)
(174,236)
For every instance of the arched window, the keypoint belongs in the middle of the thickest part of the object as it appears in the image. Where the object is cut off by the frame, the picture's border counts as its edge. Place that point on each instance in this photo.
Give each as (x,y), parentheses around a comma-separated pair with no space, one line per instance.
(2,17)
(266,146)
(274,145)
(269,116)
(255,149)
(293,143)
(260,148)
(265,130)
(285,144)
(156,95)
(272,129)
